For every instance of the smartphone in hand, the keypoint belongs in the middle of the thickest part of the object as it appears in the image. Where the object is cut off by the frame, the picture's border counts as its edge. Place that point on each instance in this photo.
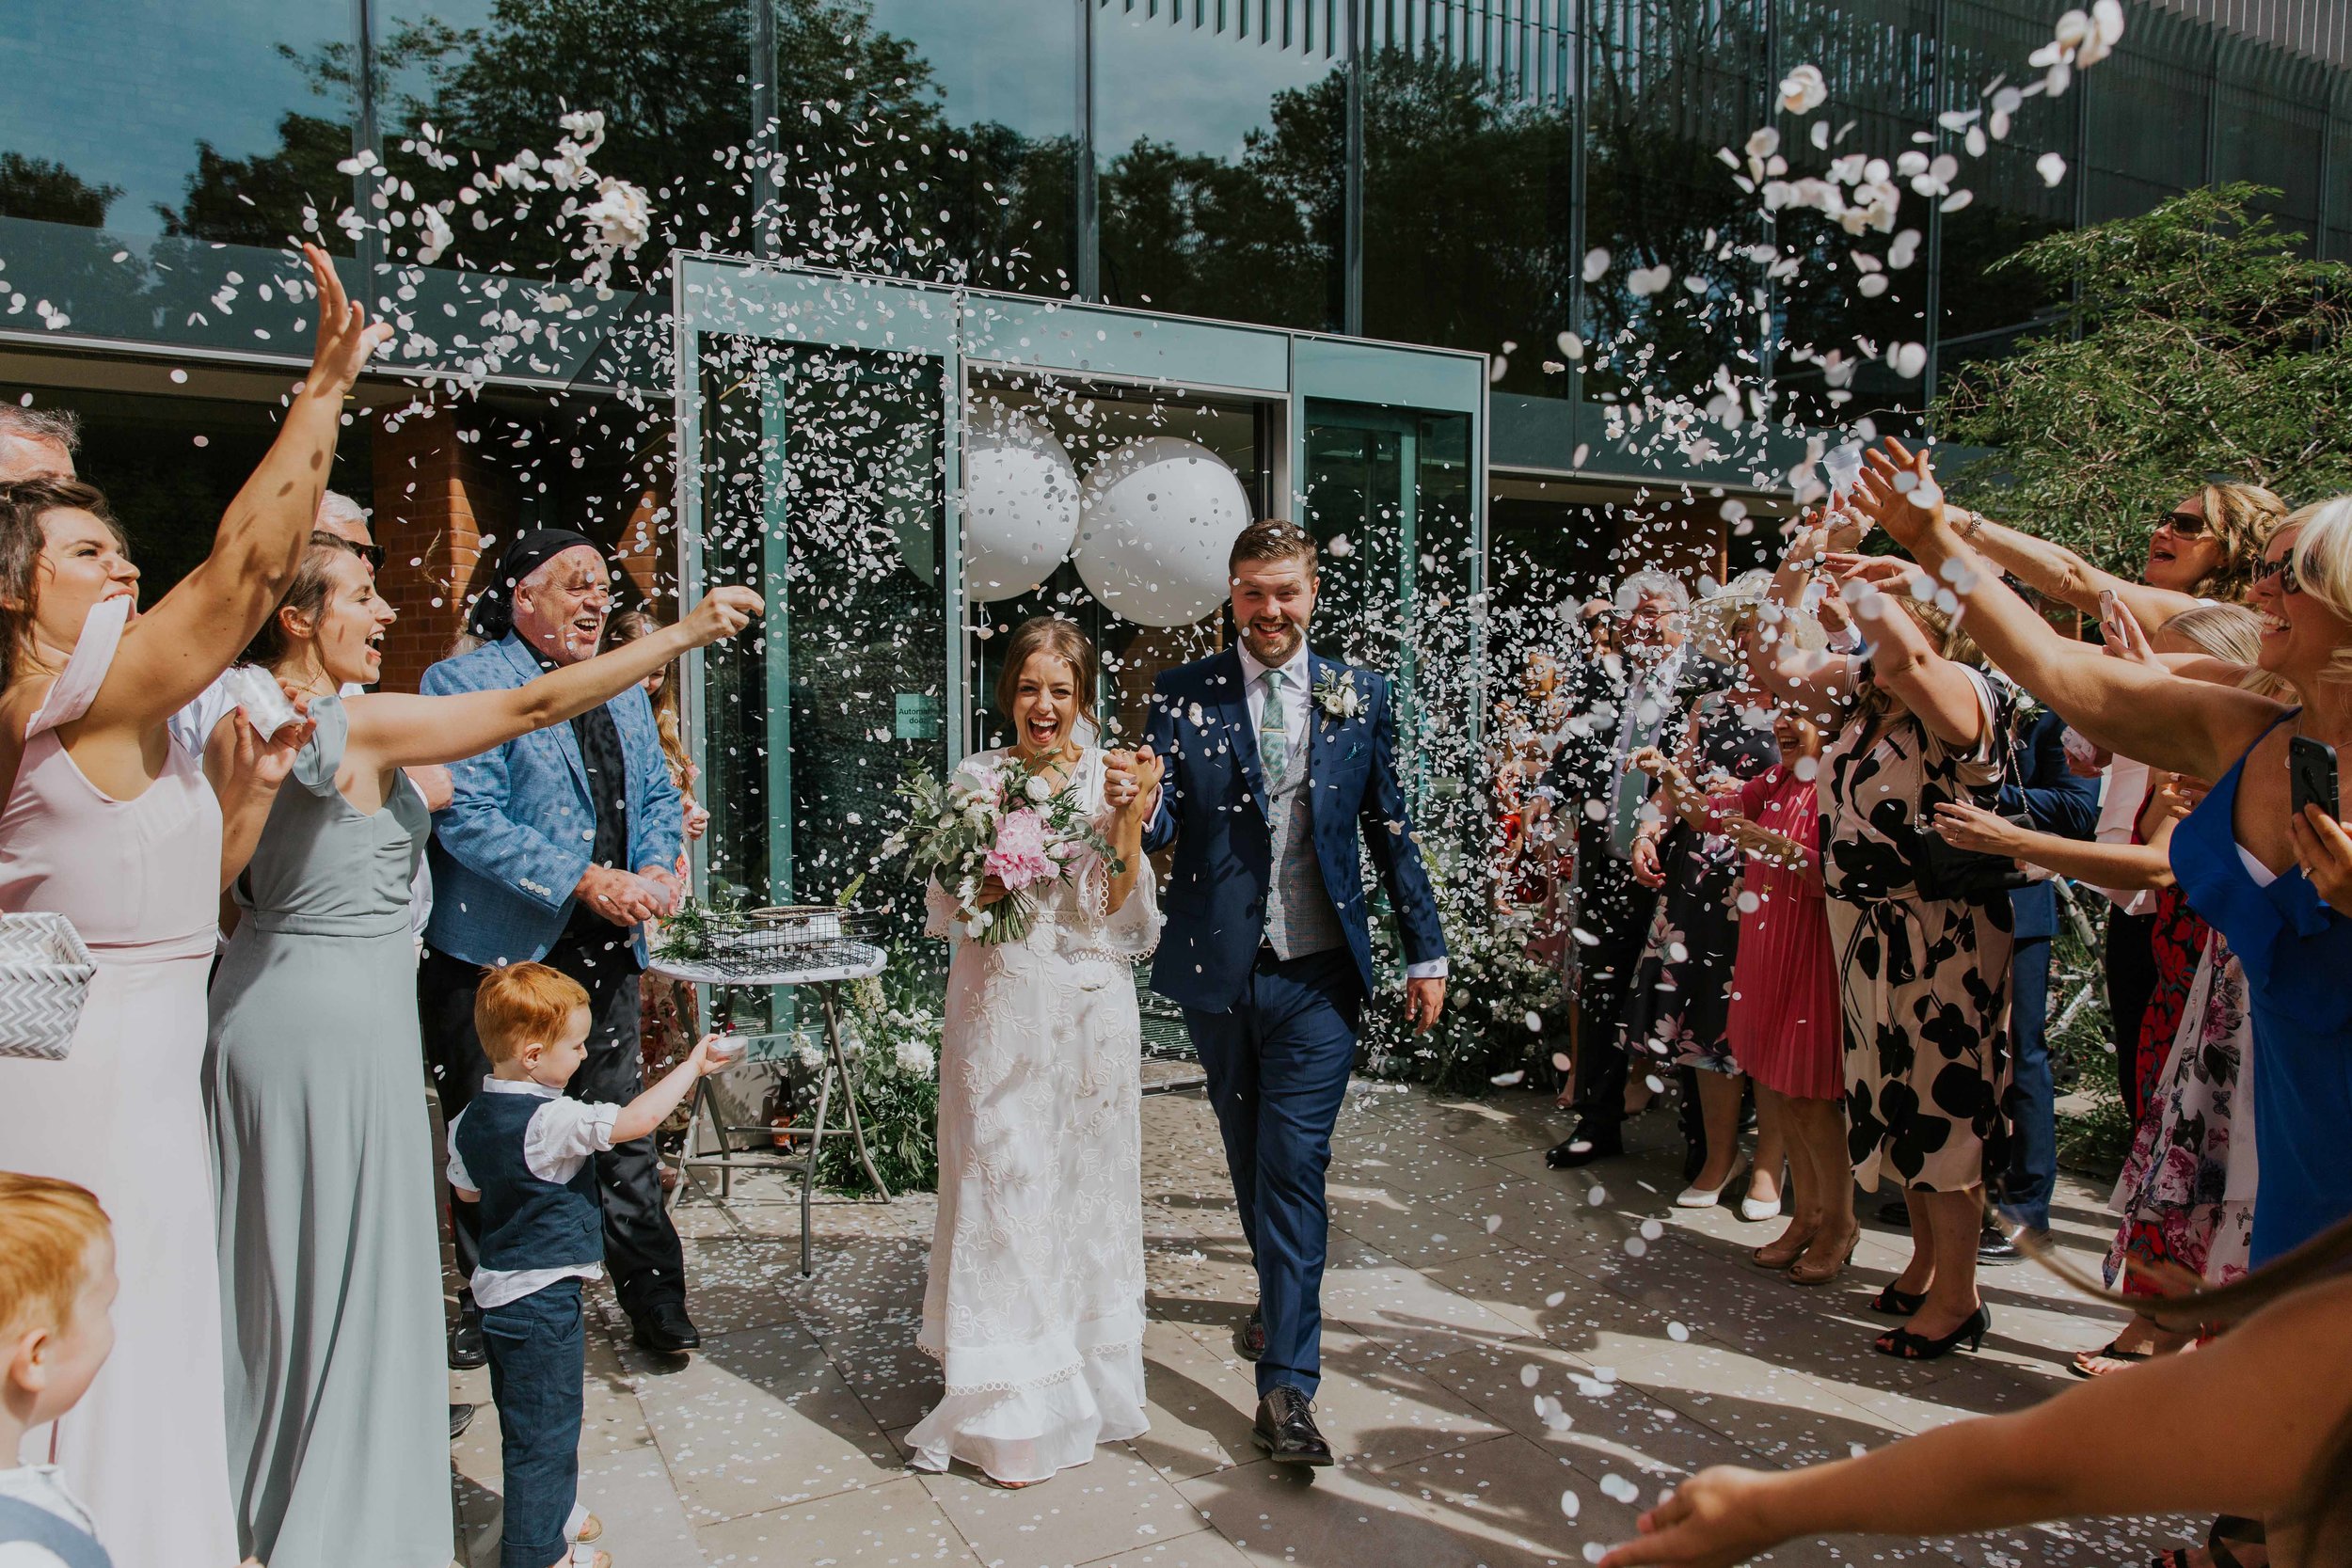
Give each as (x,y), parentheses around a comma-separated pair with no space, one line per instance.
(2311,774)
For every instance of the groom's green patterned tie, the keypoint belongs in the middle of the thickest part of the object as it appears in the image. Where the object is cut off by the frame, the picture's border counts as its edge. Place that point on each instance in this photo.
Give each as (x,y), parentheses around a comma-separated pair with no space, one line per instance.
(1273,735)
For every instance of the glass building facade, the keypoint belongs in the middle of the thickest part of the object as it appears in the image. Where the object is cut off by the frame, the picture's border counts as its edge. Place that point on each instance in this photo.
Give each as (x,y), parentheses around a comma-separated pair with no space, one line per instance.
(1420,171)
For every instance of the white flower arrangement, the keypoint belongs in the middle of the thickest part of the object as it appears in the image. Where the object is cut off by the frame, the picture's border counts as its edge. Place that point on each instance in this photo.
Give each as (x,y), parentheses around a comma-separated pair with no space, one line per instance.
(1337,696)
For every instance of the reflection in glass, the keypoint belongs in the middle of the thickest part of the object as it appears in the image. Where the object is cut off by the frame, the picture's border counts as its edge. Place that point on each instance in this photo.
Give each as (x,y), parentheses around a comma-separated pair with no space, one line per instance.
(150,116)
(1220,146)
(1670,82)
(494,79)
(810,723)
(1468,171)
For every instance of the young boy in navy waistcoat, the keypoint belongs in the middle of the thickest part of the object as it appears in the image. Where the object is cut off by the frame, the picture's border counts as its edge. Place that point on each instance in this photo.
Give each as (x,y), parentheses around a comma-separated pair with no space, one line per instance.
(524,1151)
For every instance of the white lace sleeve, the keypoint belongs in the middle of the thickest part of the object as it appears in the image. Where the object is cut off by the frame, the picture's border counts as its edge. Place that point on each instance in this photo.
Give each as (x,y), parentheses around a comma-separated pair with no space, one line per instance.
(939,910)
(1132,931)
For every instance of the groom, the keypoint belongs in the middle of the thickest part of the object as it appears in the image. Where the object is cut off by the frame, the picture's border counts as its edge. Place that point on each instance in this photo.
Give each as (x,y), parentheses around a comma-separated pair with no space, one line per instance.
(1278,760)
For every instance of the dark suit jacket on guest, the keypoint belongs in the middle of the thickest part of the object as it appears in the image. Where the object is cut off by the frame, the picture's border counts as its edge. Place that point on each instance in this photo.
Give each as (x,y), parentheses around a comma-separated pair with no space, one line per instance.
(2040,785)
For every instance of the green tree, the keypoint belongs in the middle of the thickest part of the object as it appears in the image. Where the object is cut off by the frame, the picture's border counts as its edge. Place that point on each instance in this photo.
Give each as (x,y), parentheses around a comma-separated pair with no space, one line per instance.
(2197,341)
(38,188)
(265,199)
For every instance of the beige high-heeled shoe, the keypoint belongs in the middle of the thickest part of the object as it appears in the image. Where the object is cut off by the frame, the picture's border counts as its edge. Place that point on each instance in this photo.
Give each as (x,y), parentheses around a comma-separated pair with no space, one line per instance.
(1777,1255)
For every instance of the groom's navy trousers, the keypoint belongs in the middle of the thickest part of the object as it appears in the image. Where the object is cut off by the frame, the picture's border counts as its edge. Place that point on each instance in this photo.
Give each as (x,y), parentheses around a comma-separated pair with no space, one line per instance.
(1278,1067)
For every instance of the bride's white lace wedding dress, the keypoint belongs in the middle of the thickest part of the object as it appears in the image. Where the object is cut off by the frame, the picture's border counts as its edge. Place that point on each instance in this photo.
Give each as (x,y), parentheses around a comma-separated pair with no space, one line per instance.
(1035,1302)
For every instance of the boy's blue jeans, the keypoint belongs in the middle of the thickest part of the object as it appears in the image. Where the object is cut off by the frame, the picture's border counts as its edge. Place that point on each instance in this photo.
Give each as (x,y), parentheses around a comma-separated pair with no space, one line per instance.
(538,1360)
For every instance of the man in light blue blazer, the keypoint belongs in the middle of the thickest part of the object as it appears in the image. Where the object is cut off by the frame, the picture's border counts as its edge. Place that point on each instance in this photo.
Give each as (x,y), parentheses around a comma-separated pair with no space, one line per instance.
(1281,770)
(556,846)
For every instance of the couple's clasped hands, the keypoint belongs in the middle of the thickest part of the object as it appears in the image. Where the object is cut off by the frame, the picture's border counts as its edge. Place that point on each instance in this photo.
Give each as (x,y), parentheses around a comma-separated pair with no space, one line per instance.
(1131,779)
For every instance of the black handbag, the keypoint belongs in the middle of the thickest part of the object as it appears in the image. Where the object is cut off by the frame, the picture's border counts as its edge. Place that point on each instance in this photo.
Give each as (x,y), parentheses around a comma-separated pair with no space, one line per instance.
(1948,872)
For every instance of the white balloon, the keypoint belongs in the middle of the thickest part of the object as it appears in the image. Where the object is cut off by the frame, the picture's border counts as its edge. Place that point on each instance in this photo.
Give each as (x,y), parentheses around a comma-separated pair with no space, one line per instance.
(1157,520)
(1020,509)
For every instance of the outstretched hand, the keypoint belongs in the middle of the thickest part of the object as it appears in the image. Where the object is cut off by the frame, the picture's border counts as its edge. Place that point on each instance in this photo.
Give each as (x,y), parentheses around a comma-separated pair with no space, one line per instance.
(1897,490)
(722,612)
(346,337)
(1709,1521)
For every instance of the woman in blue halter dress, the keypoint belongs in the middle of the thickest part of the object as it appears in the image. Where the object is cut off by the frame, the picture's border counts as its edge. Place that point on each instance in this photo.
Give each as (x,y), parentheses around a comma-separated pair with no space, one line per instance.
(2296,953)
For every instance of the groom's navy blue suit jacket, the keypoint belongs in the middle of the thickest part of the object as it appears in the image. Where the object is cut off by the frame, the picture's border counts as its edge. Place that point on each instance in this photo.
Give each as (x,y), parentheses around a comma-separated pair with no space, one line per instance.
(1212,806)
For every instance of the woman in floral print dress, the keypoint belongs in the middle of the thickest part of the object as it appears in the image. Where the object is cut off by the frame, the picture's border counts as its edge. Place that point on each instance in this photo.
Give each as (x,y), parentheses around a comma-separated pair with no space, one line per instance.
(1924,980)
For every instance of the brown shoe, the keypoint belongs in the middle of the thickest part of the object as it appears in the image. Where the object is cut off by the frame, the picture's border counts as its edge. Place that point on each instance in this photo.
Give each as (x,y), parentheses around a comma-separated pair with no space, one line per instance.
(1811,1272)
(1782,1252)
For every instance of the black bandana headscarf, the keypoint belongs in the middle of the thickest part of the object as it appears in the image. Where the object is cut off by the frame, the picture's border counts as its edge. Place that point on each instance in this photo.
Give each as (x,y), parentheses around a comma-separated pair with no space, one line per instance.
(493,613)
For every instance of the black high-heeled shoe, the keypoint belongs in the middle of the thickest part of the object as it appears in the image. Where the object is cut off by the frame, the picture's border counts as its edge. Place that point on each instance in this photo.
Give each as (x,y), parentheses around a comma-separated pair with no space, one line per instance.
(1903,1345)
(1891,1303)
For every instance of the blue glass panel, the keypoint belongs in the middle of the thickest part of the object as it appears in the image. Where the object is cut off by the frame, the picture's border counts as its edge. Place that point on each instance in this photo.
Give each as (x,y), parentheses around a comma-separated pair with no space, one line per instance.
(1220,138)
(156,117)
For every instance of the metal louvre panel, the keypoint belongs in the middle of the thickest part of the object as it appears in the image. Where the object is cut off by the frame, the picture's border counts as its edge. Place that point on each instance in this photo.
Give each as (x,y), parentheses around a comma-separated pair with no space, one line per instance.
(2319,28)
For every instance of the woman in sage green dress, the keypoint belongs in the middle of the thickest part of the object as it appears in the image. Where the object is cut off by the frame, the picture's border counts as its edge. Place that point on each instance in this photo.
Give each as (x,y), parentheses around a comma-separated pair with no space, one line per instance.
(330,1259)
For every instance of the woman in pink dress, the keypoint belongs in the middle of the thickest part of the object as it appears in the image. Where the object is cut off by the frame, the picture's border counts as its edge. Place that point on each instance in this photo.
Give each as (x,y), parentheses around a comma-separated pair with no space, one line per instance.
(1786,1025)
(1786,1028)
(109,822)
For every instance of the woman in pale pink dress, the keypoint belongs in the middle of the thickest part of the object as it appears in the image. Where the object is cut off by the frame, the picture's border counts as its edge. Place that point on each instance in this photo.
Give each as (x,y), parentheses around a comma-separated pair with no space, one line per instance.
(107,821)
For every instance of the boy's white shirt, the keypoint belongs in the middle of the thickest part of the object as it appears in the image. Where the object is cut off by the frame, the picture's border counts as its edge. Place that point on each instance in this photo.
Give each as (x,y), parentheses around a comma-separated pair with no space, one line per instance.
(563,1133)
(43,1486)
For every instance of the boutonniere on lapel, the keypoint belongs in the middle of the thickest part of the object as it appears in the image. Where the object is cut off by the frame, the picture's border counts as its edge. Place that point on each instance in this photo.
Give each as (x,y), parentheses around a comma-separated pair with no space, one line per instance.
(1337,695)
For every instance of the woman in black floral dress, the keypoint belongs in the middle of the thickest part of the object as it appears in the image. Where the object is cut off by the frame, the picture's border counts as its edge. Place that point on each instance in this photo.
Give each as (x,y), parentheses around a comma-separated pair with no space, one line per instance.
(1924,977)
(1677,1015)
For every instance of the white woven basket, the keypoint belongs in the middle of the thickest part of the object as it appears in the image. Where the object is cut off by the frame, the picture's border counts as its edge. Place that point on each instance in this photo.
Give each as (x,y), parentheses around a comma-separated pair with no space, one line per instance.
(44,973)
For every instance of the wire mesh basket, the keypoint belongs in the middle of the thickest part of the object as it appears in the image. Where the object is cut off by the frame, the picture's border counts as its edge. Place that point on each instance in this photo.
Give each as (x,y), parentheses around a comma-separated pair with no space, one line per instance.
(784,940)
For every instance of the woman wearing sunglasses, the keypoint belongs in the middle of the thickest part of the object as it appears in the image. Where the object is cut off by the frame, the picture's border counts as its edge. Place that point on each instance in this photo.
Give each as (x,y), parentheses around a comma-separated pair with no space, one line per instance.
(2204,548)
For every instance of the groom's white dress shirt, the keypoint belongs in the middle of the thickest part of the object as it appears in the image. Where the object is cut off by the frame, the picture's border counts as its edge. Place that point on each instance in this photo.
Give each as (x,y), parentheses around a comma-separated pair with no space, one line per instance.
(1297,701)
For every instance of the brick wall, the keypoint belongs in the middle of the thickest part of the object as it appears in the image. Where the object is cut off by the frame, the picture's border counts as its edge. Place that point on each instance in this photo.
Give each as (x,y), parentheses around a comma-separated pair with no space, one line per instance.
(435,502)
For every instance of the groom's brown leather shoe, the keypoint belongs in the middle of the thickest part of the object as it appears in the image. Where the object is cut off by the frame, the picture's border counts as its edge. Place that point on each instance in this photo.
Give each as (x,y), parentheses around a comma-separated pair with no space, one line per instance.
(1286,1429)
(1249,1336)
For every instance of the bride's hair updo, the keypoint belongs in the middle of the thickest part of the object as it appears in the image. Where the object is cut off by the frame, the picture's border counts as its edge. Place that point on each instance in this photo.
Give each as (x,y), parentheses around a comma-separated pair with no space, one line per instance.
(1058,637)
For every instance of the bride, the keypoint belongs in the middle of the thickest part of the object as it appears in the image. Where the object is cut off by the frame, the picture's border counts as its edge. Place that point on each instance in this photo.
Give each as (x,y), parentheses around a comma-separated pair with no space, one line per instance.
(1034,1304)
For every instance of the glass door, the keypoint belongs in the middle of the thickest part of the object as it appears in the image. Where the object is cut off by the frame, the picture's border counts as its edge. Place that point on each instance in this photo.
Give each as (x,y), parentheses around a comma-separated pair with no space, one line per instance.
(1387,498)
(811,721)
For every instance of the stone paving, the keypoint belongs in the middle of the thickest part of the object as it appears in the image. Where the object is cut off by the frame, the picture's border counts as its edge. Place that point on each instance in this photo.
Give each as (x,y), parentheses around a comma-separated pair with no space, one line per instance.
(1509,1353)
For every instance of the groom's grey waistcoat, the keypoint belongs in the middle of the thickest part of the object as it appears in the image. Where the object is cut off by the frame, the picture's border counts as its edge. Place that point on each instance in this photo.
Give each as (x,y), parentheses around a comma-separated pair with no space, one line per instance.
(1299,918)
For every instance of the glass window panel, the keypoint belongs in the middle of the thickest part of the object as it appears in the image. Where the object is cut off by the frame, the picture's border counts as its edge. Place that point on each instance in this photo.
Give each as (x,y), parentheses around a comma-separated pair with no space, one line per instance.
(152,117)
(154,154)
(2339,191)
(1877,58)
(1670,82)
(1221,149)
(1985,309)
(1469,170)
(495,77)
(1001,83)
(2272,120)
(811,722)
(2148,106)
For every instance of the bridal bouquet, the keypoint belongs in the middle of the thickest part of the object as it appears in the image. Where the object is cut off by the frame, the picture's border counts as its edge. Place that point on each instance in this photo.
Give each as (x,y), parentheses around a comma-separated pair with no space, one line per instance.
(1009,822)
